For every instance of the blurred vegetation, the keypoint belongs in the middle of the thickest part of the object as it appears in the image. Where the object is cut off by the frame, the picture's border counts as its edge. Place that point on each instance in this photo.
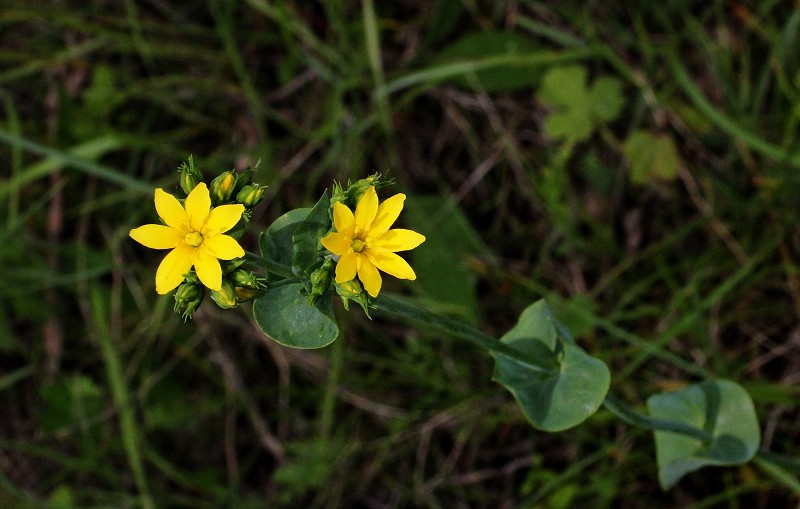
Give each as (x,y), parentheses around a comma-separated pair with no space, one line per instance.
(634,162)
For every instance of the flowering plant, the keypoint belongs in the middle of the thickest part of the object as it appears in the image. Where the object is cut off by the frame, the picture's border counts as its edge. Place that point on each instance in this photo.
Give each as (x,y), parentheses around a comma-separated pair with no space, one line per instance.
(338,247)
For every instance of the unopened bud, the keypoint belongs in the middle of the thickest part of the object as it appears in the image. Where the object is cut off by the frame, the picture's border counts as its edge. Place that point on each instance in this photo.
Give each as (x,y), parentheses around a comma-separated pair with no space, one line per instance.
(358,189)
(229,266)
(226,297)
(246,294)
(188,297)
(352,290)
(190,176)
(246,279)
(320,280)
(222,187)
(251,195)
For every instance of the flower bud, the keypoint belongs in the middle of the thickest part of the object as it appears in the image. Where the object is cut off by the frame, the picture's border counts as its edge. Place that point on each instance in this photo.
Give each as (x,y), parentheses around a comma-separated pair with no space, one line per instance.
(190,176)
(355,191)
(222,187)
(246,294)
(320,280)
(352,290)
(251,195)
(226,297)
(229,266)
(188,297)
(246,279)
(337,195)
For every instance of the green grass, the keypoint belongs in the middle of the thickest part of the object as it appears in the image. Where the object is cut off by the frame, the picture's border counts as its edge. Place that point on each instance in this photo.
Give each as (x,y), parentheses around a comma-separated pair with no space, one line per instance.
(111,401)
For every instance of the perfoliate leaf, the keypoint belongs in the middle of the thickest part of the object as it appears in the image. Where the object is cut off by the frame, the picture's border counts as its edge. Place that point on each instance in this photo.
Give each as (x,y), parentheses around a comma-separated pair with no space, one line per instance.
(285,315)
(563,397)
(721,408)
(305,240)
(276,241)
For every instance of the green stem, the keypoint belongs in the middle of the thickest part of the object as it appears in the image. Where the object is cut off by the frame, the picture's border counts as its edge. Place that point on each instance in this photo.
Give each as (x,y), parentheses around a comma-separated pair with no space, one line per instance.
(278,269)
(634,418)
(460,330)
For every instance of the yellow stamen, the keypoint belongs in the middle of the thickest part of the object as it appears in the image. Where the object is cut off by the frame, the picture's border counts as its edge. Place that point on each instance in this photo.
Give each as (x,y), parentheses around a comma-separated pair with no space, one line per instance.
(194,239)
(358,245)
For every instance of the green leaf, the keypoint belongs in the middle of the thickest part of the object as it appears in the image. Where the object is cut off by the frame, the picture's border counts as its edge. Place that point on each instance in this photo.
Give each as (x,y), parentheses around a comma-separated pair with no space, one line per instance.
(305,240)
(564,86)
(570,393)
(284,314)
(480,45)
(276,242)
(570,123)
(651,156)
(577,110)
(606,98)
(721,408)
(450,243)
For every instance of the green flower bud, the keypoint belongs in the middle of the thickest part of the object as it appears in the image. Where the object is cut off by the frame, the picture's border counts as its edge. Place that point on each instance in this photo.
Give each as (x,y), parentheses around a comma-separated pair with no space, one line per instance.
(188,297)
(246,279)
(355,191)
(320,280)
(190,176)
(246,294)
(226,297)
(229,266)
(250,195)
(222,187)
(352,290)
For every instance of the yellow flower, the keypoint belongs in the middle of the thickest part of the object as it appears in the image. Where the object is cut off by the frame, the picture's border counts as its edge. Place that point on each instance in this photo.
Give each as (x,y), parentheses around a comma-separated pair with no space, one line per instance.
(195,236)
(365,243)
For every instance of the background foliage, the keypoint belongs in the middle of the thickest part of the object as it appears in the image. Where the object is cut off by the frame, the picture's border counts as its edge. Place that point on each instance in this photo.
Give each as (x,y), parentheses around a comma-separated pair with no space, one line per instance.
(635,163)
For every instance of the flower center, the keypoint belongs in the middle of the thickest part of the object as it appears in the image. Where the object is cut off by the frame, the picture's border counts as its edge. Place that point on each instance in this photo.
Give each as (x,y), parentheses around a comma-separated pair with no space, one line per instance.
(194,239)
(358,245)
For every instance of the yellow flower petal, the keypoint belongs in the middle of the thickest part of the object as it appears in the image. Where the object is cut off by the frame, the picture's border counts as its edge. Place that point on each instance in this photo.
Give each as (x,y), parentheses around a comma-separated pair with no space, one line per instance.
(387,214)
(171,211)
(399,240)
(208,269)
(172,268)
(337,243)
(343,219)
(347,267)
(390,263)
(222,219)
(223,247)
(157,236)
(370,277)
(365,210)
(198,204)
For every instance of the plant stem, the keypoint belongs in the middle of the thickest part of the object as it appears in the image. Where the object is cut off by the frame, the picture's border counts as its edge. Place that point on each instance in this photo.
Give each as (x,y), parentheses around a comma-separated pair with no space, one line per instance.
(463,331)
(634,418)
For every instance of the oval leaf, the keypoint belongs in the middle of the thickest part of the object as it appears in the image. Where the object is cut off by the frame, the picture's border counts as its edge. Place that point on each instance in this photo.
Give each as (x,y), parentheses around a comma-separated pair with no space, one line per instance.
(566,396)
(276,242)
(305,239)
(284,314)
(720,407)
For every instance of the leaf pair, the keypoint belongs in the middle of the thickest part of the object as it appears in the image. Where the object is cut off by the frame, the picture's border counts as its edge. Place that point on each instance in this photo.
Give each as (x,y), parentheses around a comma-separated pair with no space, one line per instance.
(283,312)
(567,394)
